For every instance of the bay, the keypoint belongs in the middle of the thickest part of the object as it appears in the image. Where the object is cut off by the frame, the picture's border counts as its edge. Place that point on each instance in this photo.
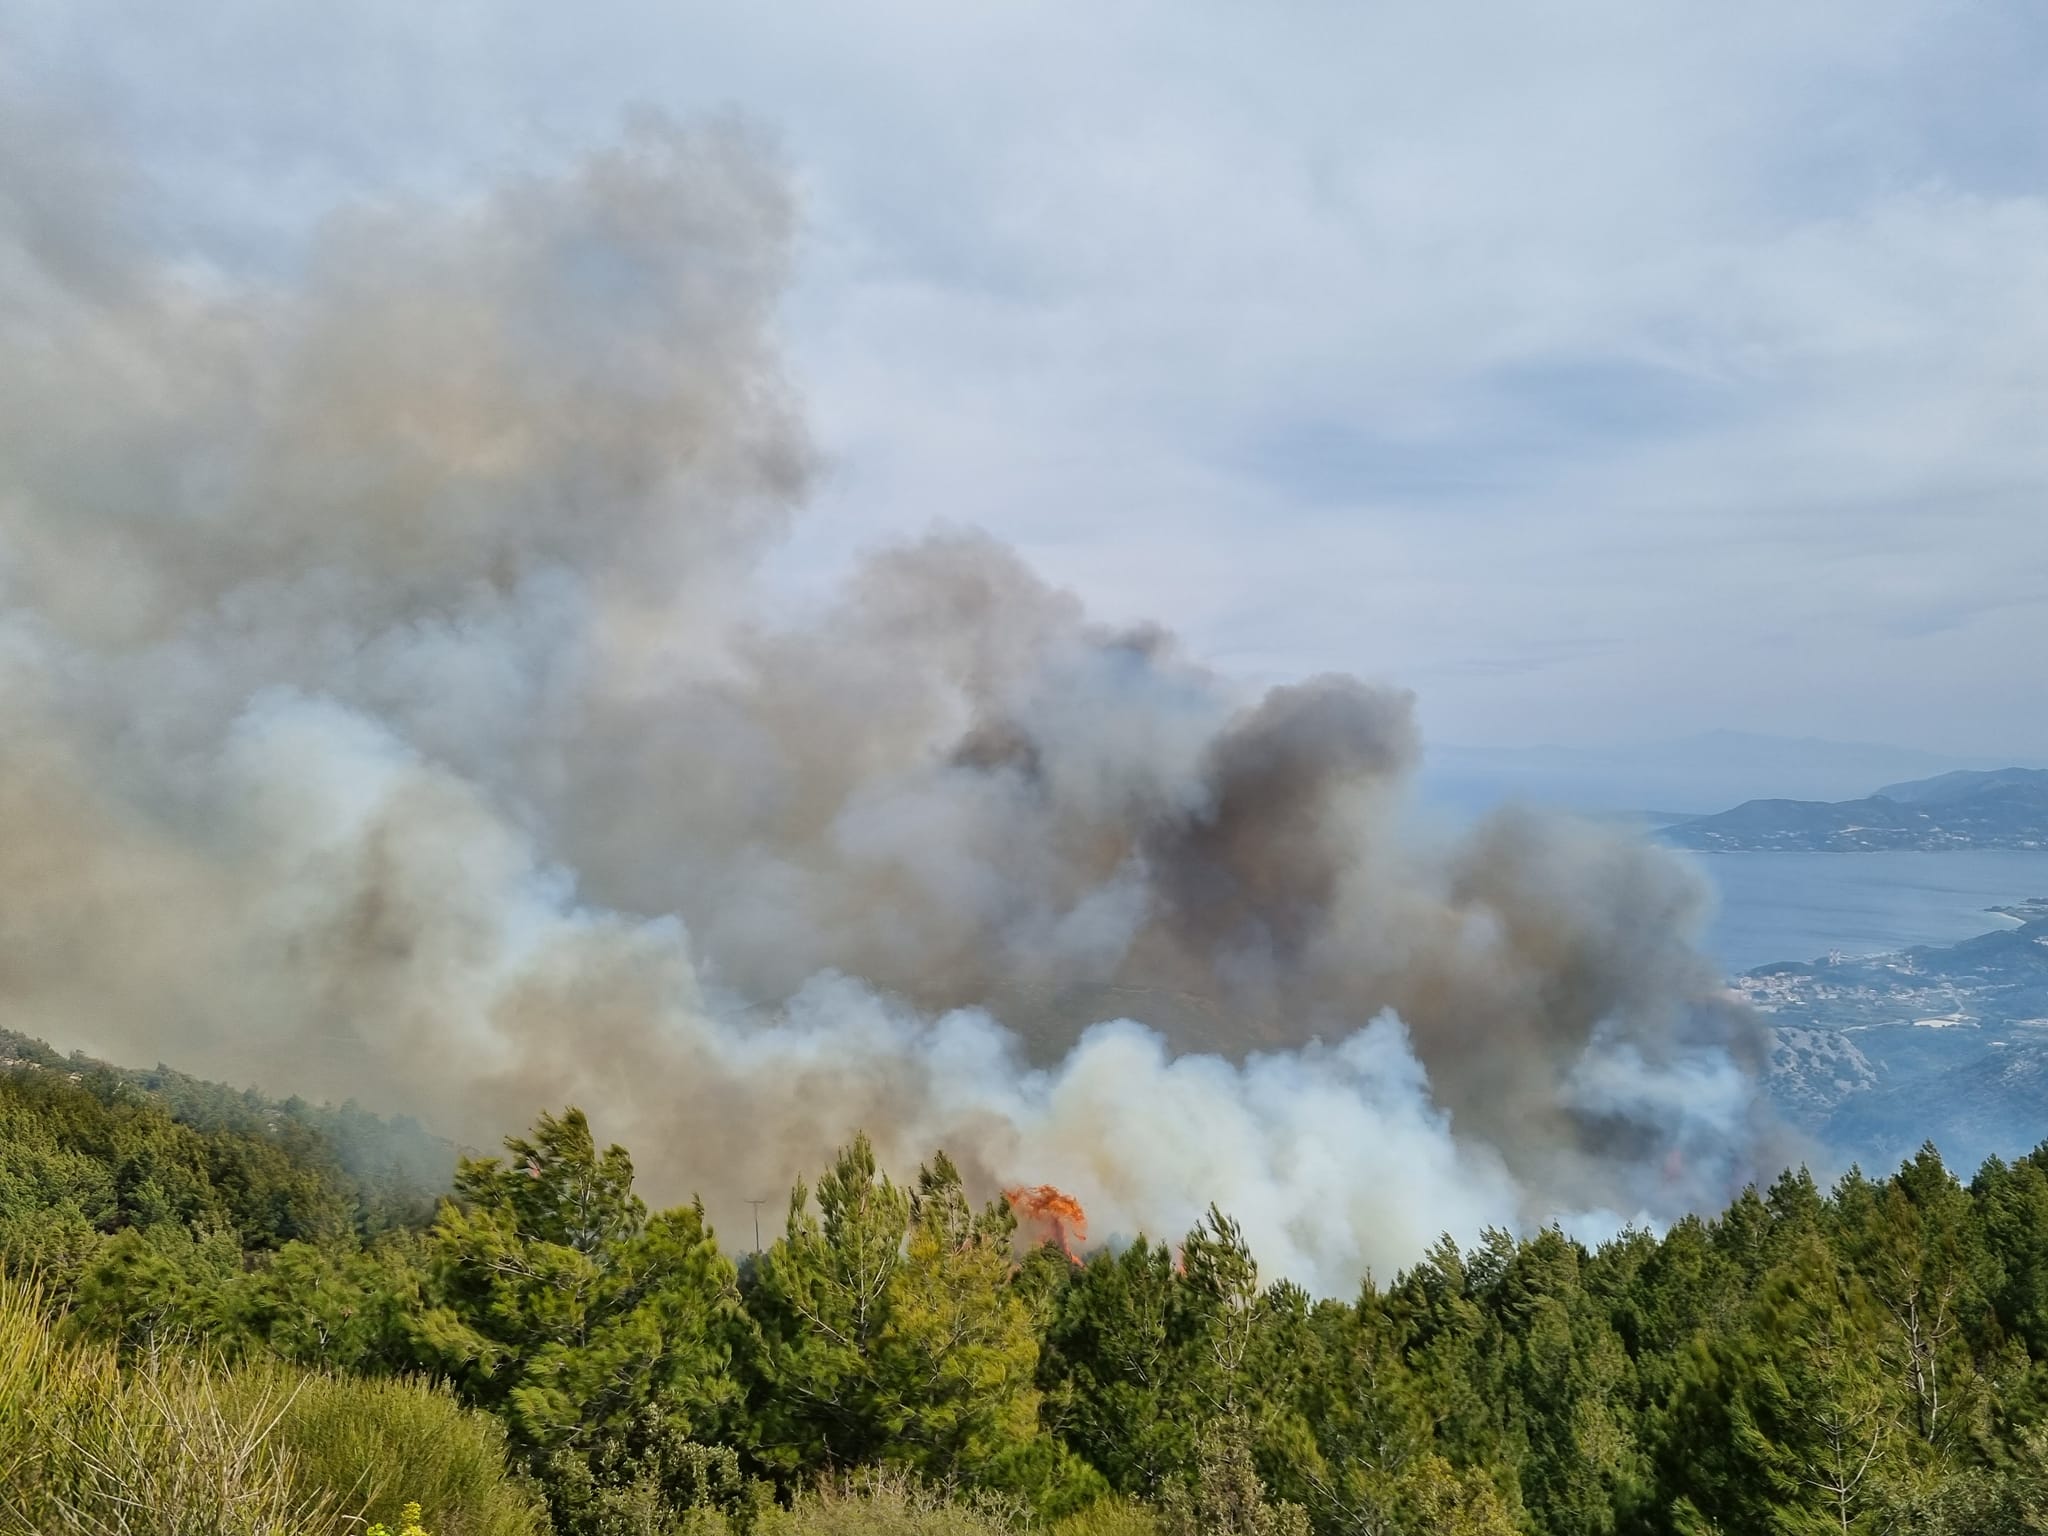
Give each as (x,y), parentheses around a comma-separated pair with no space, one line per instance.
(1801,906)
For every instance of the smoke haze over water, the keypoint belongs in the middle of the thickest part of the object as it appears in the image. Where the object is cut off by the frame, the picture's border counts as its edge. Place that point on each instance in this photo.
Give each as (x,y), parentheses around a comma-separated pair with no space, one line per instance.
(385,711)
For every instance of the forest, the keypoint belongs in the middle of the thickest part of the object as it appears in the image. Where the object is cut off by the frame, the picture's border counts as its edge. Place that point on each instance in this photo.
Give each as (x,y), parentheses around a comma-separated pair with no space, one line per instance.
(219,1313)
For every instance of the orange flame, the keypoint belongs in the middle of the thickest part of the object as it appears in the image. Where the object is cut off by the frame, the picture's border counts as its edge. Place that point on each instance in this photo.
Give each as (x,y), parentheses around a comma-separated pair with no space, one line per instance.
(1049,1215)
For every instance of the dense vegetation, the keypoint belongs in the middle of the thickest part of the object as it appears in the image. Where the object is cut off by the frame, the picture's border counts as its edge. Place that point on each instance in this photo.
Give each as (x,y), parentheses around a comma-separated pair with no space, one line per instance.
(544,1351)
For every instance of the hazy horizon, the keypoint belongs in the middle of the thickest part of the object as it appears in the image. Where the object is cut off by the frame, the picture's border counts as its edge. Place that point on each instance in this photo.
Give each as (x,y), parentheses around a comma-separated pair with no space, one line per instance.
(1707,771)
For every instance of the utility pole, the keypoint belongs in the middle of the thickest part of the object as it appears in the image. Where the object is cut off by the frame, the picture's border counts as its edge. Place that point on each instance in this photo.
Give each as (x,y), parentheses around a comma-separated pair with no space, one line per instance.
(757,1204)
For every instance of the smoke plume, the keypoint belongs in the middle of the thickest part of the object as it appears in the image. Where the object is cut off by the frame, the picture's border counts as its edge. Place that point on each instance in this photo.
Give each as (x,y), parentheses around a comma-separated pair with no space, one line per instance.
(386,710)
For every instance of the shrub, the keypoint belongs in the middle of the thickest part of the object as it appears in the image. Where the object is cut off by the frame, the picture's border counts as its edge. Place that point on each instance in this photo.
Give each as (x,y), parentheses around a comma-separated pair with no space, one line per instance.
(160,1450)
(649,1479)
(377,1445)
(888,1503)
(177,1445)
(1112,1516)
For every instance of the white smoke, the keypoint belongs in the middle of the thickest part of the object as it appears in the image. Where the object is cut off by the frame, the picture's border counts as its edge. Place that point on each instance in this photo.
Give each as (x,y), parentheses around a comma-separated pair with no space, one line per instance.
(386,713)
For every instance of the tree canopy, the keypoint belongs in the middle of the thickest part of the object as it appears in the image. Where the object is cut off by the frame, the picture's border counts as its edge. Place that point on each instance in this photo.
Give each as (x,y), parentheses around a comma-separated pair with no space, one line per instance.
(1861,1360)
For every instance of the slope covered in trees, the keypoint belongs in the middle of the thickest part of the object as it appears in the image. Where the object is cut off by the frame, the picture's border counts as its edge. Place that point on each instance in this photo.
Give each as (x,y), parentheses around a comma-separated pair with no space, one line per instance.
(1867,1359)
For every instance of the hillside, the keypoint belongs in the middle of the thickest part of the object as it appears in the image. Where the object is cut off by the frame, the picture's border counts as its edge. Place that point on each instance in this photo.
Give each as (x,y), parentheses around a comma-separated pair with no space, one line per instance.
(549,1357)
(2006,808)
(1871,1055)
(343,1162)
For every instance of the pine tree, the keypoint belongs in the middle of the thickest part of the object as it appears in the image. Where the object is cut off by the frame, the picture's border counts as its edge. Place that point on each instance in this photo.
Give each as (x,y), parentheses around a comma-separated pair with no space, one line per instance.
(890,1329)
(1225,1496)
(566,1308)
(1115,1369)
(1793,1426)
(1913,1243)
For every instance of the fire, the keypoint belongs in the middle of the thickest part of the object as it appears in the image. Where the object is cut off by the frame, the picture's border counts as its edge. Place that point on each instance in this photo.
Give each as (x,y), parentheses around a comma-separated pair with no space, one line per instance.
(1049,1215)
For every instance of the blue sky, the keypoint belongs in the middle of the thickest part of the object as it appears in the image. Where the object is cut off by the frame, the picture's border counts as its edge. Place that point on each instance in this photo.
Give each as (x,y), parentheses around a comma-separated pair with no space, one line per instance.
(1600,371)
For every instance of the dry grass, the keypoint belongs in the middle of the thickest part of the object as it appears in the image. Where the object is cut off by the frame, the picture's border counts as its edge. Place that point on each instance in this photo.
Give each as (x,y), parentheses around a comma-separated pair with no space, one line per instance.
(1109,1517)
(179,1446)
(883,1503)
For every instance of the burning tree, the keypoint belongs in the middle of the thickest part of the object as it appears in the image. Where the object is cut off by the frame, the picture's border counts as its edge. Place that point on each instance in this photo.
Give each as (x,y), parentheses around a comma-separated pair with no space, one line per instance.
(1049,1215)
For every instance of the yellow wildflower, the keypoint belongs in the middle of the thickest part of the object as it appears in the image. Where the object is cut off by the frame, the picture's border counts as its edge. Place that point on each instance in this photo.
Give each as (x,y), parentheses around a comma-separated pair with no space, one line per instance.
(411,1527)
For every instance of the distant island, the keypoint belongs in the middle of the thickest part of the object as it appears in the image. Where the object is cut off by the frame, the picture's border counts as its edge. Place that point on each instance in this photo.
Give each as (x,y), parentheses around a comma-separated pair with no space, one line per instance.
(2002,808)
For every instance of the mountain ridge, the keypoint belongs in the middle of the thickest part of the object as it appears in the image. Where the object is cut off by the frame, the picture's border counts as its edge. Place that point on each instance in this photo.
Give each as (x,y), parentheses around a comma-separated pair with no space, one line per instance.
(2004,808)
(1692,774)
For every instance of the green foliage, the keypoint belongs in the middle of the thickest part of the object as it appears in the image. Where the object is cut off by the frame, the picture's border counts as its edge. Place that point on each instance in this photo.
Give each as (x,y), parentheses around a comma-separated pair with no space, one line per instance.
(1224,1497)
(343,1307)
(648,1480)
(134,1149)
(150,1191)
(603,1336)
(1573,1386)
(1121,1388)
(2009,1501)
(1794,1424)
(1863,1360)
(889,1330)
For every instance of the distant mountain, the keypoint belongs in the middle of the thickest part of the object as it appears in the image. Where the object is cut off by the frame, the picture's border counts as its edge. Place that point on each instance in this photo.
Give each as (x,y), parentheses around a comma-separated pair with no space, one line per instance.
(2002,808)
(1944,788)
(1687,777)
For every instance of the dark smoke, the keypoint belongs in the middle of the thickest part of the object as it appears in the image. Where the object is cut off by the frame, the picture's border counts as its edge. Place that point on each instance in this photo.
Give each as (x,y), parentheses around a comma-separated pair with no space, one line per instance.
(387,712)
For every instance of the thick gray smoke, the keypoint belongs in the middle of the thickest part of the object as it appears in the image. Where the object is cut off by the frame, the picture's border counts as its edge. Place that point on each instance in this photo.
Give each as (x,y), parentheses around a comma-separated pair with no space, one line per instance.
(384,711)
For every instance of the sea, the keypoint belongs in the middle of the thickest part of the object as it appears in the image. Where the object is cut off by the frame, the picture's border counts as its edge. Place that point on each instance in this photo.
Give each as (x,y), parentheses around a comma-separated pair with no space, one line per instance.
(1802,906)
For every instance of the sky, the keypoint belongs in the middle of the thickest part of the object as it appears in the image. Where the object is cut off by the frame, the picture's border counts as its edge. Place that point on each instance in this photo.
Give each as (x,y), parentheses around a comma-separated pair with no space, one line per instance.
(1601,371)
